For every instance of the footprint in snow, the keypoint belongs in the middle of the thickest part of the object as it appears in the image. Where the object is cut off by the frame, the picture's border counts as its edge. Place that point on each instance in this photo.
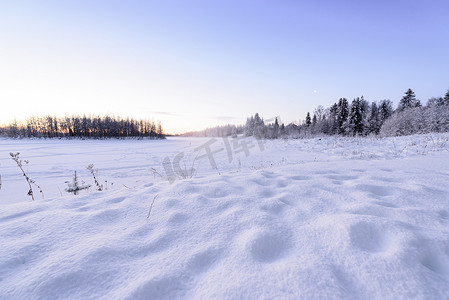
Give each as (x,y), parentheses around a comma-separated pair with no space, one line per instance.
(348,283)
(443,214)
(76,204)
(142,231)
(178,218)
(385,204)
(157,244)
(375,190)
(262,181)
(369,237)
(19,215)
(171,203)
(224,206)
(268,174)
(168,287)
(287,199)
(116,200)
(202,200)
(436,262)
(370,211)
(273,207)
(325,172)
(342,177)
(299,177)
(282,183)
(203,260)
(268,247)
(188,189)
(216,193)
(106,217)
(267,193)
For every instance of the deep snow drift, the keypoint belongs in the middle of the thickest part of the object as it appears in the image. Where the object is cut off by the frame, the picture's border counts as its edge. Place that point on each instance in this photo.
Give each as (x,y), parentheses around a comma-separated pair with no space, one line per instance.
(319,218)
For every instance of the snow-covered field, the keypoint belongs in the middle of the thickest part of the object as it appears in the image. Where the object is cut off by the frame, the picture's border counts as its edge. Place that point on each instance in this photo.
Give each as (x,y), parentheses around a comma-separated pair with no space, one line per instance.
(312,219)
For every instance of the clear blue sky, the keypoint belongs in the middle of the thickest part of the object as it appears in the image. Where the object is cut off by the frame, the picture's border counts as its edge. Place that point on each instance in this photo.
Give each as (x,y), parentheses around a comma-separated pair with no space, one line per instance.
(193,64)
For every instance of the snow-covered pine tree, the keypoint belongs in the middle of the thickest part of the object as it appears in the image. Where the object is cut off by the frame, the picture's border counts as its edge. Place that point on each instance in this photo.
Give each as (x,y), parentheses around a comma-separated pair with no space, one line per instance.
(308,122)
(331,126)
(275,134)
(409,100)
(364,109)
(259,127)
(374,119)
(342,114)
(319,114)
(385,110)
(249,127)
(282,130)
(446,98)
(355,119)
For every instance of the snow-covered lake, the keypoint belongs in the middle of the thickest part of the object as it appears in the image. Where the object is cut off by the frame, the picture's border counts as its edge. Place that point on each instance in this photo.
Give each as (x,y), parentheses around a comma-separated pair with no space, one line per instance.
(326,217)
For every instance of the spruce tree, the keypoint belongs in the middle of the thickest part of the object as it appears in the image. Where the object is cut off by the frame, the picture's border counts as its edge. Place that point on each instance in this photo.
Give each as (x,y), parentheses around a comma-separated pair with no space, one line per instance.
(282,129)
(259,126)
(308,122)
(446,98)
(355,117)
(343,112)
(276,129)
(332,127)
(249,127)
(408,101)
(374,122)
(385,110)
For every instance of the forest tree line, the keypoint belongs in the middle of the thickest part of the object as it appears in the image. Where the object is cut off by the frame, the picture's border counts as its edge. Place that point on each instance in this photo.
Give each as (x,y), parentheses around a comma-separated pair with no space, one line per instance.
(83,127)
(356,118)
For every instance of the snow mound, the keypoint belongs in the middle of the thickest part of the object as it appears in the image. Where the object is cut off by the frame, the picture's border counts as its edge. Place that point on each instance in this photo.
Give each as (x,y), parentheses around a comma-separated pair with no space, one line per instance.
(373,229)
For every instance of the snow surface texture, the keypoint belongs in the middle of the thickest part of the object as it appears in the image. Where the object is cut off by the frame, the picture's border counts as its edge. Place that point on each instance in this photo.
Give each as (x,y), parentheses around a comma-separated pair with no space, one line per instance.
(320,218)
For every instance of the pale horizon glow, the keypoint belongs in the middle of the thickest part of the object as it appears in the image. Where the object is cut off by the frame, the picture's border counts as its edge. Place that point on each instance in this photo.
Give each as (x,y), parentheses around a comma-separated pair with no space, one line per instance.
(198,64)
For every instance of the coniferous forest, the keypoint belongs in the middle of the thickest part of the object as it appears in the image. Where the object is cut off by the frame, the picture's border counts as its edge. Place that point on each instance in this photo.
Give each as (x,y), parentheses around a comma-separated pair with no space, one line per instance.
(356,118)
